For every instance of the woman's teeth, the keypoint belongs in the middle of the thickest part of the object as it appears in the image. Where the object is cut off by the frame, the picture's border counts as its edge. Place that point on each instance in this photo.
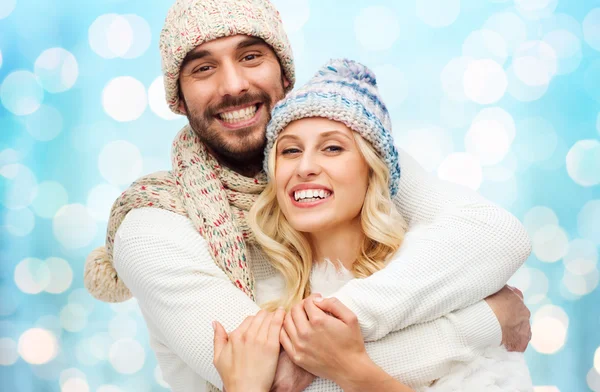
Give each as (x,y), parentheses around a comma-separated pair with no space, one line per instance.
(311,195)
(239,115)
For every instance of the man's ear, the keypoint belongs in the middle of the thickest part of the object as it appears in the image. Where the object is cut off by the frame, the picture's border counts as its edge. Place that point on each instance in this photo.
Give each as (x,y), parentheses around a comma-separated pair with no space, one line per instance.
(286,82)
(181,105)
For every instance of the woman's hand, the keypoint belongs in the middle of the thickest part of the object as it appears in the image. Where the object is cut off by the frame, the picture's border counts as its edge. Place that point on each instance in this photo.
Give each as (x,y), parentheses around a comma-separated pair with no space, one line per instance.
(328,346)
(247,359)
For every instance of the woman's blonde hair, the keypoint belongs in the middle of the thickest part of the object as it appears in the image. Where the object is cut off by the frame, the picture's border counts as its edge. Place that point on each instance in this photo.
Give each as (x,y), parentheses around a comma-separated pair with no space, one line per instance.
(289,250)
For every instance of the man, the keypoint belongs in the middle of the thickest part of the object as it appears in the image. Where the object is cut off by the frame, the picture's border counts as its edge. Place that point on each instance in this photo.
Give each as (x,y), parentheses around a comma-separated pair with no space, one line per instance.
(180,238)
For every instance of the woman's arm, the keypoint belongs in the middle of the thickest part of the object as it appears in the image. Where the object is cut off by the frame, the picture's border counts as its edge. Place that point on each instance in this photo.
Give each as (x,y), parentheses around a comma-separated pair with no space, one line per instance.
(460,249)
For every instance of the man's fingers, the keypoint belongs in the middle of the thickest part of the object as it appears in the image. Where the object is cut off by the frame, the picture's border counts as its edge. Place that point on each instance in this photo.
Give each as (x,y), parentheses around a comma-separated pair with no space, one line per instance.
(286,342)
(220,339)
(300,319)
(289,327)
(516,291)
(337,309)
(276,325)
(312,311)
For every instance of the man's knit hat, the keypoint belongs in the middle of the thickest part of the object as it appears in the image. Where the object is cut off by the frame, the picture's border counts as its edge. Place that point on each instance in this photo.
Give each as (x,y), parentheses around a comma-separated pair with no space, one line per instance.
(190,23)
(345,91)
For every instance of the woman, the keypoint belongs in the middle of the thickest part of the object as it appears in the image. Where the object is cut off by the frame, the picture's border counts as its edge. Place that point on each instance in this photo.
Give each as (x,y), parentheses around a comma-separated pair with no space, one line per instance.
(327,217)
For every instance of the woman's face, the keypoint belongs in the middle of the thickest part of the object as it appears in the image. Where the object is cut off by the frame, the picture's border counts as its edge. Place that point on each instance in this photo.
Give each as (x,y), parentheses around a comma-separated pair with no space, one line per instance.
(320,175)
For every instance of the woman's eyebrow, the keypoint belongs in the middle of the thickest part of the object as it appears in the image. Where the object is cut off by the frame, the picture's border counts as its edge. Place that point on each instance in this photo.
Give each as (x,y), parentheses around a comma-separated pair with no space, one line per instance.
(334,133)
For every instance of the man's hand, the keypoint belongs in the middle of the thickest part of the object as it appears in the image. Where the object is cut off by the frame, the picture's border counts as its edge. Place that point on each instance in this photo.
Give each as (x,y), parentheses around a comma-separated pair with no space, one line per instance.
(289,377)
(514,317)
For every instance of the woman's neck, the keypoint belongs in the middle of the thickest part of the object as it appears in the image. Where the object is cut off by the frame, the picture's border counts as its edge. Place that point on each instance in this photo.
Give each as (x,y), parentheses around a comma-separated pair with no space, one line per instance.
(341,243)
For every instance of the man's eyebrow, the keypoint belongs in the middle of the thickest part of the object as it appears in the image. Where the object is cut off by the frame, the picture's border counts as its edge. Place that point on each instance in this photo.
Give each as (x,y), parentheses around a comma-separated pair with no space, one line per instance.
(194,55)
(250,41)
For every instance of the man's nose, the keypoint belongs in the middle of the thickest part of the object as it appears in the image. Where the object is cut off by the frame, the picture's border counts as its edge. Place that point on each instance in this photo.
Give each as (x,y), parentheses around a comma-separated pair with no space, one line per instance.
(233,80)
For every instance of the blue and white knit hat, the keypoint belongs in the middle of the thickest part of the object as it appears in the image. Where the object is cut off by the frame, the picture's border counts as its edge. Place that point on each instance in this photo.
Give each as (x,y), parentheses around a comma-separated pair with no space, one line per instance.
(345,91)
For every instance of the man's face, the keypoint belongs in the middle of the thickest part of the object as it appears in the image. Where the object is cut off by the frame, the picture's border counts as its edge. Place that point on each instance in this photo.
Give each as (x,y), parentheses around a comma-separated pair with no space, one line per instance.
(228,88)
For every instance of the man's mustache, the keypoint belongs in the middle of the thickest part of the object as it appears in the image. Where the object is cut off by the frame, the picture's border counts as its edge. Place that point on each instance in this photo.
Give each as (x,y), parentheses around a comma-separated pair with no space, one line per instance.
(230,102)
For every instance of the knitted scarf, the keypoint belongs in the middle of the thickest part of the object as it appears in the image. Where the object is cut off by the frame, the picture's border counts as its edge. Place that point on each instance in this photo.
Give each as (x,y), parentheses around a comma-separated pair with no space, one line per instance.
(215,198)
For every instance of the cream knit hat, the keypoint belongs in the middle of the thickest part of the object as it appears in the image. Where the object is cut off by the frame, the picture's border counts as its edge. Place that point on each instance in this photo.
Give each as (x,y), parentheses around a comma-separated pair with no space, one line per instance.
(190,23)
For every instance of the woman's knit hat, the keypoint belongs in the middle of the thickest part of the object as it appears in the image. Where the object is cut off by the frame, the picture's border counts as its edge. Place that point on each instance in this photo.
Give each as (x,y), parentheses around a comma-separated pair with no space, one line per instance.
(345,91)
(190,23)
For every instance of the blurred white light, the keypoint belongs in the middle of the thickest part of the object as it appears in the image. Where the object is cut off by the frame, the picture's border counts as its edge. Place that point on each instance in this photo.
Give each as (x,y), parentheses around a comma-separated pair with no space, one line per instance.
(582,257)
(484,81)
(127,356)
(453,77)
(6,7)
(560,21)
(583,162)
(548,335)
(593,380)
(50,323)
(553,311)
(579,284)
(294,14)
(591,79)
(376,28)
(70,373)
(538,287)
(485,44)
(120,162)
(83,353)
(158,376)
(536,139)
(521,91)
(587,221)
(73,318)
(56,70)
(597,359)
(392,84)
(124,98)
(535,63)
(75,385)
(567,47)
(122,327)
(456,114)
(126,307)
(32,276)
(510,26)
(521,279)
(141,36)
(45,124)
(488,140)
(503,192)
(100,344)
(74,227)
(61,275)
(37,346)
(438,13)
(110,36)
(158,102)
(546,388)
(502,171)
(538,217)
(9,155)
(591,28)
(100,200)
(21,186)
(82,298)
(598,123)
(50,197)
(461,168)
(550,243)
(8,352)
(109,388)
(19,222)
(20,93)
(501,116)
(536,9)
(429,146)
(0,59)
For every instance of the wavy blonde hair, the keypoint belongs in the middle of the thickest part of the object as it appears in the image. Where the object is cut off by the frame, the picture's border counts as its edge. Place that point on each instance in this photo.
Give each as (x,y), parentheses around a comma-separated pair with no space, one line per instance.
(289,251)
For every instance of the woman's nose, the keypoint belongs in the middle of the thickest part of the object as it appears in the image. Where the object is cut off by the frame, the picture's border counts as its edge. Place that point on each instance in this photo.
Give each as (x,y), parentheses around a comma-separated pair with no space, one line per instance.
(308,165)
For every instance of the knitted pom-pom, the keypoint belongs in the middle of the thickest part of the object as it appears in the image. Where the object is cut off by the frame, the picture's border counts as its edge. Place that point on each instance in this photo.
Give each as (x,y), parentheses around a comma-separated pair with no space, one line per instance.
(347,69)
(101,280)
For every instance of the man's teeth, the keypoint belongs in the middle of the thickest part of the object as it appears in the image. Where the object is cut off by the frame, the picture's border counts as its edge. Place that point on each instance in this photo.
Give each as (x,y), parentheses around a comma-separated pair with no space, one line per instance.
(310,194)
(238,115)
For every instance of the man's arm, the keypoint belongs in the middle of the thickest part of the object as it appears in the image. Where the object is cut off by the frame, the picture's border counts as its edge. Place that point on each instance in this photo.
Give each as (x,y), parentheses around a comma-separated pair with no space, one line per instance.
(167,266)
(462,249)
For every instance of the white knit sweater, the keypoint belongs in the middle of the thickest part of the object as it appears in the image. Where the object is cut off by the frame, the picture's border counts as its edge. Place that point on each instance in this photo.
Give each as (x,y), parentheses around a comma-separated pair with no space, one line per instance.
(466,249)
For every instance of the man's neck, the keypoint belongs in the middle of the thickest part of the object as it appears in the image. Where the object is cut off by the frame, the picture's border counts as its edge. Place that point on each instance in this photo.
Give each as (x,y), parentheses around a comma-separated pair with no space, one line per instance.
(249,168)
(342,243)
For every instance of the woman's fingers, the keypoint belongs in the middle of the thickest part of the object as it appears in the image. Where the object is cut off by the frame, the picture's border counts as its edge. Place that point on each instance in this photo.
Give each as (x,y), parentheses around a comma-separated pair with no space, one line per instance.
(220,339)
(300,320)
(286,342)
(258,321)
(289,326)
(276,325)
(337,309)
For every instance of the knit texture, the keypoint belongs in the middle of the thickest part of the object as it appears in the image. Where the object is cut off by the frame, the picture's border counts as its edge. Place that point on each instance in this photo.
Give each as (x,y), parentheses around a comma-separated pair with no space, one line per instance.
(190,23)
(215,198)
(345,91)
(465,249)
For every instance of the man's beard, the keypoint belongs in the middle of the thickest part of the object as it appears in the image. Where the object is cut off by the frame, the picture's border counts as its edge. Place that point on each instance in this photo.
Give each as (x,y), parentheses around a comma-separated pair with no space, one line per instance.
(247,148)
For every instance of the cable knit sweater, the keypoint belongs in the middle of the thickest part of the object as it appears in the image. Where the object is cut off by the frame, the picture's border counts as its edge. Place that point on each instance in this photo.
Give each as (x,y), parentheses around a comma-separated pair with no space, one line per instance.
(426,305)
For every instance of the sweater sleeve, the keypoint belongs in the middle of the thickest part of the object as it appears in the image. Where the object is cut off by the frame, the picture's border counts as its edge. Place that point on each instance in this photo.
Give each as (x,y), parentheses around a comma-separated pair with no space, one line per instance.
(178,286)
(422,353)
(462,249)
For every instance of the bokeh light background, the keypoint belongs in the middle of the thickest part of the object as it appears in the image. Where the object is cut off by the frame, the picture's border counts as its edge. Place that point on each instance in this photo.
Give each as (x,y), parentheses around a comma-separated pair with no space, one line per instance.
(502,96)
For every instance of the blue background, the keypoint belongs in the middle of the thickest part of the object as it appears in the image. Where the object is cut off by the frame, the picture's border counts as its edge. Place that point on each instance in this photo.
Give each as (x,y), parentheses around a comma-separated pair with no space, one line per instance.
(499,95)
